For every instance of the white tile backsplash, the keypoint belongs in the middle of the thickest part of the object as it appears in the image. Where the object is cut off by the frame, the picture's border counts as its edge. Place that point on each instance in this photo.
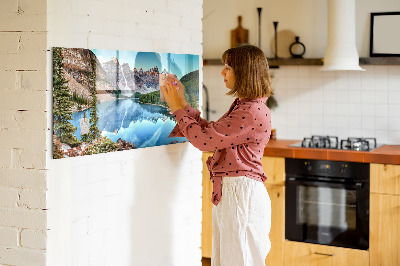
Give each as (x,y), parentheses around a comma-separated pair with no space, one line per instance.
(343,103)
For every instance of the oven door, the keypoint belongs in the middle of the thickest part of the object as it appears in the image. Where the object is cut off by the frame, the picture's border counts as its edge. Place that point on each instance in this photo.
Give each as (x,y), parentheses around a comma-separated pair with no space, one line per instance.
(327,213)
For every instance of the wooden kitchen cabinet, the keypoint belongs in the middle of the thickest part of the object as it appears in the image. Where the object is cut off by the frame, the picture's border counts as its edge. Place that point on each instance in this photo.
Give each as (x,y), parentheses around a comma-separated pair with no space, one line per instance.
(206,225)
(385,178)
(274,168)
(277,233)
(384,236)
(306,254)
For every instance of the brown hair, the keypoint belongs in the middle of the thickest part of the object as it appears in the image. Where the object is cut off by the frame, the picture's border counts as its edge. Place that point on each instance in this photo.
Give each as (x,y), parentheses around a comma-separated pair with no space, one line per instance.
(250,66)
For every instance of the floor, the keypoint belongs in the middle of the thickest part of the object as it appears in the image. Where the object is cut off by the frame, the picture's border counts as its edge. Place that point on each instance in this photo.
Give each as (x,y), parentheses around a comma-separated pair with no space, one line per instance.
(206,261)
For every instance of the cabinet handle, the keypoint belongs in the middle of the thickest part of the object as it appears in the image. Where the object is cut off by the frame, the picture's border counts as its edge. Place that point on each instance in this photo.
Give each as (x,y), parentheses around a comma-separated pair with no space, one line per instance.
(325,254)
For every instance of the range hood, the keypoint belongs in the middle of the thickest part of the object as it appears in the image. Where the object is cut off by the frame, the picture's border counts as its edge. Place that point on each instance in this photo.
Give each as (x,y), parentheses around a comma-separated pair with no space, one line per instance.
(341,51)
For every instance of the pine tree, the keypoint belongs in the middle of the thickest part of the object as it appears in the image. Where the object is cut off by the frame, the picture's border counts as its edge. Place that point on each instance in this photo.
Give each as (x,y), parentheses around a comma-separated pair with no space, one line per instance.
(62,104)
(94,131)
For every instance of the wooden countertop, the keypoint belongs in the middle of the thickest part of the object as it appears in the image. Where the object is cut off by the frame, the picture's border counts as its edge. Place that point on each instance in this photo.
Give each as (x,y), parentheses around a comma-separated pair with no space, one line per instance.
(389,154)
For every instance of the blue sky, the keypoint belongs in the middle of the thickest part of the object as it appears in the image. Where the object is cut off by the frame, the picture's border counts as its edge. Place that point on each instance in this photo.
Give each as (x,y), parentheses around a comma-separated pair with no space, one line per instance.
(182,60)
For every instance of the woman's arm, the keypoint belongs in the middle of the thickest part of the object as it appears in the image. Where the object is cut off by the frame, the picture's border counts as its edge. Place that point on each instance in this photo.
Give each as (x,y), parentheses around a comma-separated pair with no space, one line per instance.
(235,129)
(174,91)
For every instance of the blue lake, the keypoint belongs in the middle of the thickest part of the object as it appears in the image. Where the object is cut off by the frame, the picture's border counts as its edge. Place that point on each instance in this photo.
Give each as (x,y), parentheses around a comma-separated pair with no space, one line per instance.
(142,124)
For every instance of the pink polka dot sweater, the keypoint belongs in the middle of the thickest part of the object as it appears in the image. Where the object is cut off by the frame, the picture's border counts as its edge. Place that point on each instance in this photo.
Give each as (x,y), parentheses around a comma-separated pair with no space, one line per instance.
(238,139)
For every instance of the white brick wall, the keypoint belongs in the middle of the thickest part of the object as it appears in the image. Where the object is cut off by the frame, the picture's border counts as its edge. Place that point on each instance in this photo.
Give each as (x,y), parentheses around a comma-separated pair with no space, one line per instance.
(23,132)
(138,207)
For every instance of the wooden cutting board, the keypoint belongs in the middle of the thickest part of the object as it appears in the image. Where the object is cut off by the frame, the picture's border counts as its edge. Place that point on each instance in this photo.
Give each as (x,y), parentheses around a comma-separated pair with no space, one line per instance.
(239,35)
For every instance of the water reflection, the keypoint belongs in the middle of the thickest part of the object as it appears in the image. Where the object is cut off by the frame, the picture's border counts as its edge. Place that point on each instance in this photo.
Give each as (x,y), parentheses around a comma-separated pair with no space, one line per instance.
(142,124)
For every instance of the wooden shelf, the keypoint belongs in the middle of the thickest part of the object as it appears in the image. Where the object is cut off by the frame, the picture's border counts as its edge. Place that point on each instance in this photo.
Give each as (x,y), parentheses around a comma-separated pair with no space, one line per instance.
(274,63)
(380,61)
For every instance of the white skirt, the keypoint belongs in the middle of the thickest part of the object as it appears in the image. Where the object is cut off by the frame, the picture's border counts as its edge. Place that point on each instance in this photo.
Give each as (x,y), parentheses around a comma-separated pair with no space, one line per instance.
(241,223)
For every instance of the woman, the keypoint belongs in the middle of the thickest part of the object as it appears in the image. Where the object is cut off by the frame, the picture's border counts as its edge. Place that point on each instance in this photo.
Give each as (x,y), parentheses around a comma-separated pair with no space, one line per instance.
(242,208)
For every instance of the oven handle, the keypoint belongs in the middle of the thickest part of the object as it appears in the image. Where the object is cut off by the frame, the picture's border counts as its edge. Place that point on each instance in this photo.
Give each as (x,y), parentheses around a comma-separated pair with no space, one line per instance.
(357,185)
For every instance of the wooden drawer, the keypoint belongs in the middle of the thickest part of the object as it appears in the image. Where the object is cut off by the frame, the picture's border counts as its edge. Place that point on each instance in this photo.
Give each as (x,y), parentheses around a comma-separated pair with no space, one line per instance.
(305,254)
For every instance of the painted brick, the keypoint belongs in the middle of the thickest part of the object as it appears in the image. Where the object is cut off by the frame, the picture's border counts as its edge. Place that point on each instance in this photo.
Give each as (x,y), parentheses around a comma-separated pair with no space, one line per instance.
(8,197)
(7,82)
(149,6)
(196,38)
(80,227)
(154,33)
(9,237)
(196,10)
(16,158)
(9,42)
(114,186)
(31,80)
(23,61)
(33,159)
(23,139)
(8,6)
(103,11)
(191,23)
(23,178)
(23,218)
(17,256)
(33,7)
(179,7)
(136,44)
(33,239)
(5,158)
(168,19)
(23,22)
(33,42)
(33,120)
(197,166)
(23,100)
(180,36)
(33,199)
(98,222)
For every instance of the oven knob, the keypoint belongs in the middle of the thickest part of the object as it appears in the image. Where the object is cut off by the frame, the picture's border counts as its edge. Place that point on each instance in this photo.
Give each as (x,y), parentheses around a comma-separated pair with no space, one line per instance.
(343,168)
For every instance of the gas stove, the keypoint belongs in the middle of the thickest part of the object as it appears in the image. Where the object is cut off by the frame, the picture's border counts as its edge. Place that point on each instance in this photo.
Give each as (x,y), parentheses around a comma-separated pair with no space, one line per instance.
(332,142)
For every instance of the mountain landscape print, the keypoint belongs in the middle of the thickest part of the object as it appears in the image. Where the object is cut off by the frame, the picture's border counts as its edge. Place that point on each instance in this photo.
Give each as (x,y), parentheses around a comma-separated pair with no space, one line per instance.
(109,100)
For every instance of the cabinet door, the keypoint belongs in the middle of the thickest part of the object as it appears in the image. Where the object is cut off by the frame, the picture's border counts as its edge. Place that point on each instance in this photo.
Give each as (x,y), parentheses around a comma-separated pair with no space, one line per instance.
(385,178)
(206,232)
(274,168)
(305,254)
(277,233)
(384,236)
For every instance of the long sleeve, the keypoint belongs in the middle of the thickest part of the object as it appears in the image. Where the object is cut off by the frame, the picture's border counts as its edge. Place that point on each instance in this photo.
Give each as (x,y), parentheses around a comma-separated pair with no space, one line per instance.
(193,113)
(231,130)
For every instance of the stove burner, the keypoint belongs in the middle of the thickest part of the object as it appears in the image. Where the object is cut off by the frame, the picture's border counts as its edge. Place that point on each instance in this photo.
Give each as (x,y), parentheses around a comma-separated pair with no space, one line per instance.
(332,142)
(358,144)
(328,142)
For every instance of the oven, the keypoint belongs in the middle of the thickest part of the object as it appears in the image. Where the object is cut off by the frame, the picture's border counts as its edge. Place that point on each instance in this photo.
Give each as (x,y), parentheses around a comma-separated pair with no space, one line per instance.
(327,202)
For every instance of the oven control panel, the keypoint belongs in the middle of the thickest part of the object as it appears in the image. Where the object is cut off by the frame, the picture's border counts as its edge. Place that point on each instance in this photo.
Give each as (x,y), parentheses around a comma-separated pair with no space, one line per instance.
(337,169)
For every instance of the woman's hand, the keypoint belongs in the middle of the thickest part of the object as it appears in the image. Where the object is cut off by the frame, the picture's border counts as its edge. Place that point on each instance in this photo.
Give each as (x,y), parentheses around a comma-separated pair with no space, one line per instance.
(181,91)
(172,91)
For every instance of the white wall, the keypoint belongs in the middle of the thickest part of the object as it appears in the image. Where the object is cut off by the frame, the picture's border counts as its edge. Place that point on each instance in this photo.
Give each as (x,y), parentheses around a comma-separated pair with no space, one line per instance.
(137,207)
(311,102)
(23,132)
(305,18)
